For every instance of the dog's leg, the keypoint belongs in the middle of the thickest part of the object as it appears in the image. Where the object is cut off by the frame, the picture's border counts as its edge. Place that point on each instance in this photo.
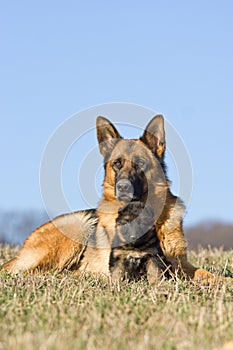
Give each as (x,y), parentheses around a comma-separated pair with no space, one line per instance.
(116,265)
(28,259)
(45,248)
(174,247)
(182,267)
(154,274)
(58,244)
(117,273)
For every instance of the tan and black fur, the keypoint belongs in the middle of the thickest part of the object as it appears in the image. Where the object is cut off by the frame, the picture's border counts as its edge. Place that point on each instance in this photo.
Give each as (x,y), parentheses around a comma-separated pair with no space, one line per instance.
(136,250)
(136,229)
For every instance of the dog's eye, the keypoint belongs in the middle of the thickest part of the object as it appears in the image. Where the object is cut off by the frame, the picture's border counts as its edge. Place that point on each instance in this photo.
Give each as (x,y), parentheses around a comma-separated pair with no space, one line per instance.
(117,164)
(140,163)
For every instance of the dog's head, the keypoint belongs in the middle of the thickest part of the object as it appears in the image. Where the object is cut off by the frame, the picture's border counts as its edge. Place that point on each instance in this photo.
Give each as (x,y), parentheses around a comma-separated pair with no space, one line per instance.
(134,168)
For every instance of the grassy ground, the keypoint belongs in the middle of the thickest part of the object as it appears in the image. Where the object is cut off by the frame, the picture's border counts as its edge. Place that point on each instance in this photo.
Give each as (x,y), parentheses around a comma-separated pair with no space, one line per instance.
(53,311)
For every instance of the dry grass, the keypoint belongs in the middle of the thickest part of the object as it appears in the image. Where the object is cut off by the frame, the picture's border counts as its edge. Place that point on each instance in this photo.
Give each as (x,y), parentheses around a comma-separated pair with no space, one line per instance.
(53,311)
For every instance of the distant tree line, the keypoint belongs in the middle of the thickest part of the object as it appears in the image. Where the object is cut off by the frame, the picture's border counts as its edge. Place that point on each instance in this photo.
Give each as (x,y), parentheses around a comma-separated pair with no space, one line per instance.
(213,234)
(15,226)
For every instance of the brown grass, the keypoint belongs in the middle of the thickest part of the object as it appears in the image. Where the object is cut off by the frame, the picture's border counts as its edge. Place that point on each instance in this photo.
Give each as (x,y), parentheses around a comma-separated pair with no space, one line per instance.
(52,311)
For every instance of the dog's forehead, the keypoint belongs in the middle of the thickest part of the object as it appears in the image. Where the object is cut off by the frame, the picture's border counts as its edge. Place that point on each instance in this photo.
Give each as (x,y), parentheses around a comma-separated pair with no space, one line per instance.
(130,149)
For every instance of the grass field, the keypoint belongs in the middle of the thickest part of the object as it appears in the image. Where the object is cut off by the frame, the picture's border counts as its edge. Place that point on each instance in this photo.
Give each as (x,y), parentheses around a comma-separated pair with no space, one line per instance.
(52,311)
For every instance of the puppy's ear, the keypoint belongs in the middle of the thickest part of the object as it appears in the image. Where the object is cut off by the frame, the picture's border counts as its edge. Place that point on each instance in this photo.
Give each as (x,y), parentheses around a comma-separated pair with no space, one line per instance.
(154,136)
(107,135)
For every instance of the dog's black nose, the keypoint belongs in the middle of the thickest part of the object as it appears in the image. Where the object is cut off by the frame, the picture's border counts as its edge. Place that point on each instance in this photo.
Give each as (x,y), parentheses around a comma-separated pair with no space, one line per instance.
(124,190)
(124,185)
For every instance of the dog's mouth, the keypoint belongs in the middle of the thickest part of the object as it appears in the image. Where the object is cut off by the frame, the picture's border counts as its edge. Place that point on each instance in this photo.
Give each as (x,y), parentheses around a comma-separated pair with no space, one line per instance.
(125,198)
(128,198)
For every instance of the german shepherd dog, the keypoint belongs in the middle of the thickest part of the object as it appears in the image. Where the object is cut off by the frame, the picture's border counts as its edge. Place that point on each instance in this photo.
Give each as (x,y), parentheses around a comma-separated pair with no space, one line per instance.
(136,229)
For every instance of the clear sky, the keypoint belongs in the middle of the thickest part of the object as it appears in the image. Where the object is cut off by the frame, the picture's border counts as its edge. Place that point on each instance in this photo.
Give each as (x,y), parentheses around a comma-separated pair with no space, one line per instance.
(174,57)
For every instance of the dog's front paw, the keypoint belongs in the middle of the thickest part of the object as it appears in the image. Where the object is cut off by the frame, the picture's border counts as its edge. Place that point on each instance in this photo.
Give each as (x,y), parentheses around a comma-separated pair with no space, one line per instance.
(205,277)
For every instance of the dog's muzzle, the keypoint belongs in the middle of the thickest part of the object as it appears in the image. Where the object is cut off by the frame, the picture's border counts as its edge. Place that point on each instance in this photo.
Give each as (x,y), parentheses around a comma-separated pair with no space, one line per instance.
(124,190)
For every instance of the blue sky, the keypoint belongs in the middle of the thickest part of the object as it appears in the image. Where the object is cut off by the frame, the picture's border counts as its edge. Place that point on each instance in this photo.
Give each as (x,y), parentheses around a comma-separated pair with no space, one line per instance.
(176,58)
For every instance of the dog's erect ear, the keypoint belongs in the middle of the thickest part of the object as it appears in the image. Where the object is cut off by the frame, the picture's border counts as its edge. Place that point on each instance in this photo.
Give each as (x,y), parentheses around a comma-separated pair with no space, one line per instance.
(154,135)
(107,135)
